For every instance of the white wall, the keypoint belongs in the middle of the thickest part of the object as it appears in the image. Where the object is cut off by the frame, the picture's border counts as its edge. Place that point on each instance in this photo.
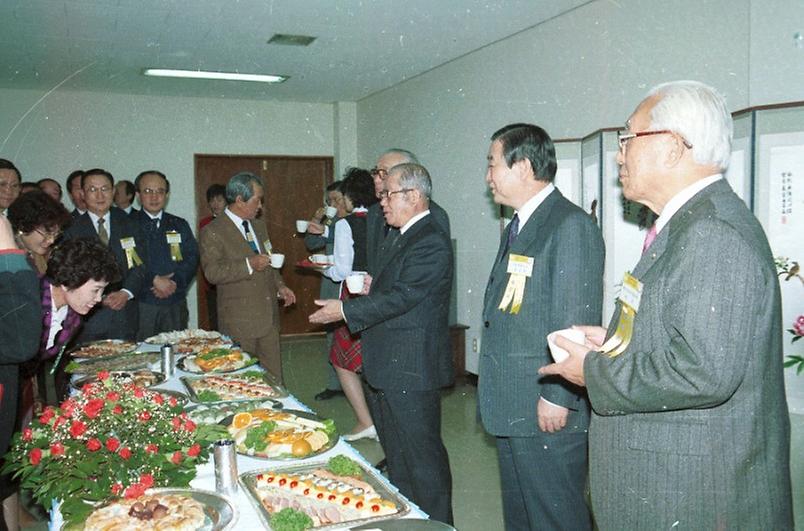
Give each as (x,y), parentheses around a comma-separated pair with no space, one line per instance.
(573,75)
(127,134)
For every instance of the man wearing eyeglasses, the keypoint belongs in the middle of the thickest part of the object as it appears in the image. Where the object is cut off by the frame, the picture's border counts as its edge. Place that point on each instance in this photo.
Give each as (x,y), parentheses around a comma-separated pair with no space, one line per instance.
(116,317)
(403,322)
(547,275)
(377,228)
(10,184)
(690,426)
(172,258)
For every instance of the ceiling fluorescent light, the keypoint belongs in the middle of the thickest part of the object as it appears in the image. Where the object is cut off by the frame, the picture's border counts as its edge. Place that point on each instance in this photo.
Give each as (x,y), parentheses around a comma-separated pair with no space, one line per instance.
(201,74)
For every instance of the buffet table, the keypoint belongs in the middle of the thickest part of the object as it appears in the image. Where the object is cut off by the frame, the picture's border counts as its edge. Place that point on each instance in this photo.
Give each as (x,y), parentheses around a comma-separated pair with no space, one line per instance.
(247,515)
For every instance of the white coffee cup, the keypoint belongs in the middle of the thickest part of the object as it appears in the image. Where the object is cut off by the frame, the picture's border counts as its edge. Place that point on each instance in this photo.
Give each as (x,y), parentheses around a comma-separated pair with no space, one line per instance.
(355,281)
(319,259)
(331,211)
(277,260)
(559,354)
(301,225)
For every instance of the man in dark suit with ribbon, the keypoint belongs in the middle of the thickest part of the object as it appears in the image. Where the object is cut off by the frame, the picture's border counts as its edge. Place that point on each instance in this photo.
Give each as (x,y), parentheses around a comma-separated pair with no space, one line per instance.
(406,355)
(548,274)
(690,427)
(117,316)
(172,258)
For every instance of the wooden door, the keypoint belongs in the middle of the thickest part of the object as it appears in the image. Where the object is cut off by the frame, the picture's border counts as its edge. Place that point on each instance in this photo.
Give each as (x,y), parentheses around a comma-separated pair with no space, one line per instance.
(294,189)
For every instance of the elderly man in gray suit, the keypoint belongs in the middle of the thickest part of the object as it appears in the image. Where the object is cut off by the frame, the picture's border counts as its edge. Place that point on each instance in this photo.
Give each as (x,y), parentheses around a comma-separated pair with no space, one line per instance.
(548,274)
(406,354)
(690,427)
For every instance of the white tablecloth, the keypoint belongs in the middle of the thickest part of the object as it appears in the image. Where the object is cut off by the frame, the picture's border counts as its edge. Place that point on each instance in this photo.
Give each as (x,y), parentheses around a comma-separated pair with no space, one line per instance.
(205,474)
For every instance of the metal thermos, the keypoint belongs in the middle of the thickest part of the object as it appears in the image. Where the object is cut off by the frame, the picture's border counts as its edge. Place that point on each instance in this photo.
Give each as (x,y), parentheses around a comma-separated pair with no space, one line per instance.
(225,467)
(168,365)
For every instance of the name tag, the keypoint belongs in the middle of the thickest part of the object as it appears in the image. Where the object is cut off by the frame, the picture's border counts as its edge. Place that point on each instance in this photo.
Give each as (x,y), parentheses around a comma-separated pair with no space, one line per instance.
(173,237)
(520,265)
(267,246)
(631,291)
(127,243)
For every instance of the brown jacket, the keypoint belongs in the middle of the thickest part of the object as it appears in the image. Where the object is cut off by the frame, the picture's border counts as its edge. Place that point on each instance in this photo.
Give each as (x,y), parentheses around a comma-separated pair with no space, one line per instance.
(247,304)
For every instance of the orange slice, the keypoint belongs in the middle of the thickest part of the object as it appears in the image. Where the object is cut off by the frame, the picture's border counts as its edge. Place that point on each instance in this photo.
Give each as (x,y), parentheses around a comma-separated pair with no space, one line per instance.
(241,420)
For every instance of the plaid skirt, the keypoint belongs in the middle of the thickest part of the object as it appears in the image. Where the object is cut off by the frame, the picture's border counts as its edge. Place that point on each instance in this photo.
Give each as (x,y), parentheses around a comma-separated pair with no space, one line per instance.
(346,351)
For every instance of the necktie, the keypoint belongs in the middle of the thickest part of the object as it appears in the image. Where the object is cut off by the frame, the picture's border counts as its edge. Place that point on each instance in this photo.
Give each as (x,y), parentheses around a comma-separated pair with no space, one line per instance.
(649,237)
(513,231)
(250,238)
(102,234)
(153,225)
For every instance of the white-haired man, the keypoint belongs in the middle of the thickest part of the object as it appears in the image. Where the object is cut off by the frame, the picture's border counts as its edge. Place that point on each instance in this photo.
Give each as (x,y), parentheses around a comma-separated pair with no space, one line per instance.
(690,426)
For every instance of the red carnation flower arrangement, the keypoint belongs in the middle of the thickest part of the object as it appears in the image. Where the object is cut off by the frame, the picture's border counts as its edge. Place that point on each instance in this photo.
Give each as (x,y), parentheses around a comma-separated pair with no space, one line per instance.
(110,440)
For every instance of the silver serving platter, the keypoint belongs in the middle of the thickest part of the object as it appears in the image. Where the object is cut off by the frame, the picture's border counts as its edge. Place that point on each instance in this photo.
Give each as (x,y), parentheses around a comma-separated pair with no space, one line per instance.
(230,408)
(331,441)
(79,383)
(280,391)
(76,351)
(370,476)
(221,513)
(187,364)
(129,361)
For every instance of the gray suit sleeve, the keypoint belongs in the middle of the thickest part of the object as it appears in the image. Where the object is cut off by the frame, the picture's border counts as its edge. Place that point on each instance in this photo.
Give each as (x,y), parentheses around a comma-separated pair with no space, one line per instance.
(704,343)
(578,284)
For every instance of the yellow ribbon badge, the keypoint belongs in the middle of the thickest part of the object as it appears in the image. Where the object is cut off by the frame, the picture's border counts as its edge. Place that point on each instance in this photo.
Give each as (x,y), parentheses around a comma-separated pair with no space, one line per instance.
(174,240)
(520,268)
(129,246)
(630,297)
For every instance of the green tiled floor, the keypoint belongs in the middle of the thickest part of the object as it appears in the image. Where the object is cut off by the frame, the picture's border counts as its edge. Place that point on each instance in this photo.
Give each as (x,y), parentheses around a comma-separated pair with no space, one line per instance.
(476,486)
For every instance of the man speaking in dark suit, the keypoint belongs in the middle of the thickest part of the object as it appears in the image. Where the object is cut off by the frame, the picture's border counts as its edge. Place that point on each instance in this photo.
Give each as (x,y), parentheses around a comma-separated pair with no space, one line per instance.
(116,317)
(548,274)
(406,354)
(377,229)
(690,427)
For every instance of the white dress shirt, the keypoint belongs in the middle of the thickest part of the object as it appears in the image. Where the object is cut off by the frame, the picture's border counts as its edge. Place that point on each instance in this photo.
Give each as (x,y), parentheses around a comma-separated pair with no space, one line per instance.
(343,249)
(57,317)
(530,206)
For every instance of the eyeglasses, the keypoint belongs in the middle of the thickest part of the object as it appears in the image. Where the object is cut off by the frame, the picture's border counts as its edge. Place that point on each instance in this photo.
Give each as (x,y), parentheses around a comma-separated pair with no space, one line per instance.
(623,137)
(385,194)
(103,189)
(52,236)
(152,191)
(379,172)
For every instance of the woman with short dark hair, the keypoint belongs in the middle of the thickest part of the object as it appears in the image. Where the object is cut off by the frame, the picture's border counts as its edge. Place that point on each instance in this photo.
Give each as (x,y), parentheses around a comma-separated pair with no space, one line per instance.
(38,221)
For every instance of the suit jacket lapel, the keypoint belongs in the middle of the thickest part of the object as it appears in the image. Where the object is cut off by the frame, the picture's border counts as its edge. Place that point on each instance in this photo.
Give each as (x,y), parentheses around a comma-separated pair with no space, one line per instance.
(235,235)
(528,233)
(388,254)
(679,219)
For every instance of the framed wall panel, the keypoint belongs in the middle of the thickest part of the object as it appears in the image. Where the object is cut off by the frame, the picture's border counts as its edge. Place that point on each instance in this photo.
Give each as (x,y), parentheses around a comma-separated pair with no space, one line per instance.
(591,191)
(740,171)
(779,206)
(568,174)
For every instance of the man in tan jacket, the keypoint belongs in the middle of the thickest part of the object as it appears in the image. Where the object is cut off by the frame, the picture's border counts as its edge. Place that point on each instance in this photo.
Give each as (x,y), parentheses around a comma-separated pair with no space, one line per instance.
(235,255)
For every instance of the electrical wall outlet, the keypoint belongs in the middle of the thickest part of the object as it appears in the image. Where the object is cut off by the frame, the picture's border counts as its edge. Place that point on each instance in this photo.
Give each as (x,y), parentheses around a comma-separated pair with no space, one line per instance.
(475,345)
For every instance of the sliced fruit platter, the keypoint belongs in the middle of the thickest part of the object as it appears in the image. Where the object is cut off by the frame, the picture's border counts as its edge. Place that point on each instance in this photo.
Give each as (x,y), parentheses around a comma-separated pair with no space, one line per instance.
(214,413)
(321,495)
(123,362)
(283,434)
(103,348)
(249,385)
(191,341)
(216,360)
